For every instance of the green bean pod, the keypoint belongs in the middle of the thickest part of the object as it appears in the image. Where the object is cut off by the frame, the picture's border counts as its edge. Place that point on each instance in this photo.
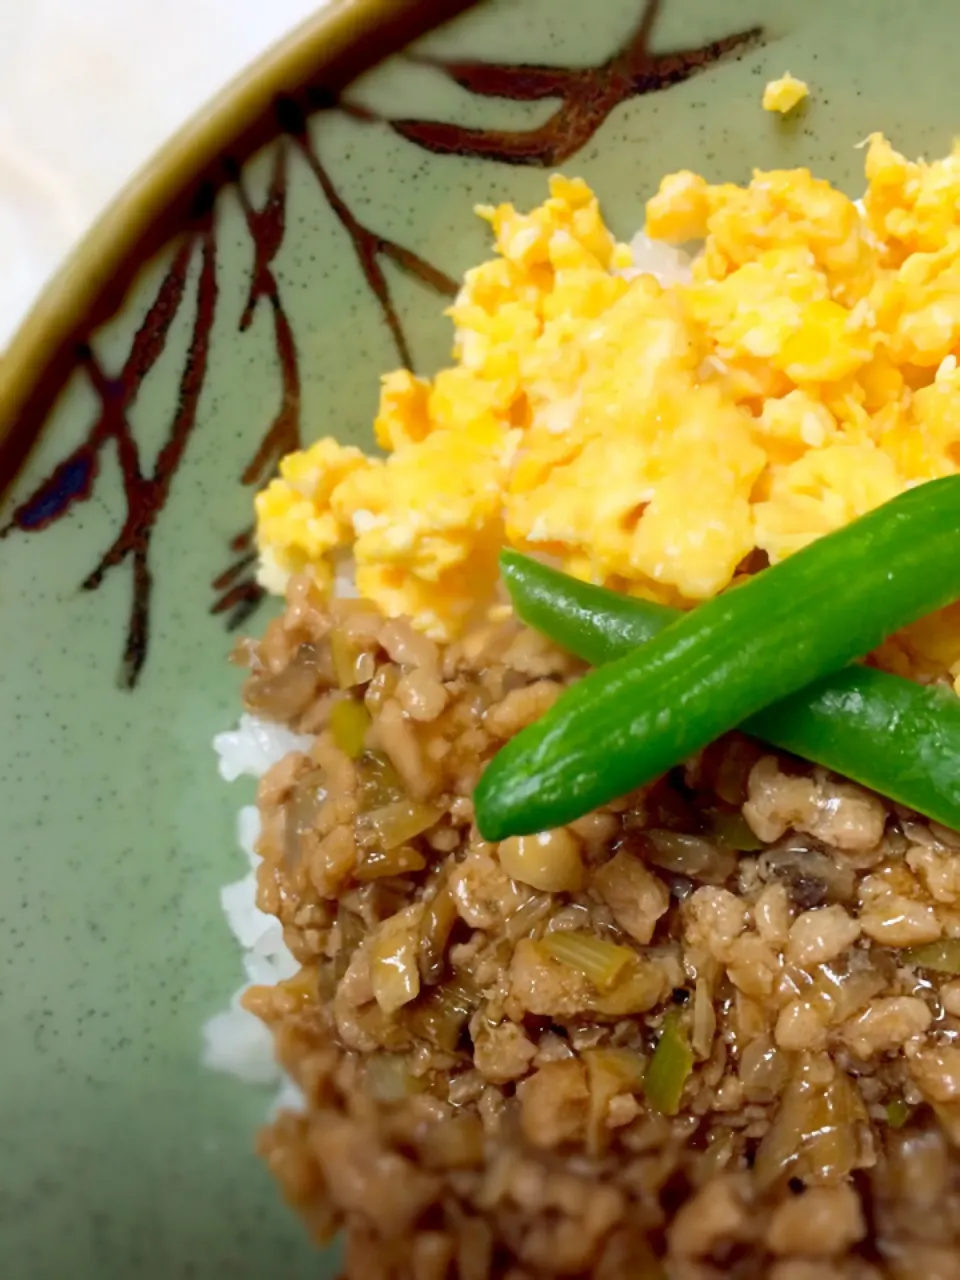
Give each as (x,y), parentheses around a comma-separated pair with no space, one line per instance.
(719,665)
(592,622)
(897,737)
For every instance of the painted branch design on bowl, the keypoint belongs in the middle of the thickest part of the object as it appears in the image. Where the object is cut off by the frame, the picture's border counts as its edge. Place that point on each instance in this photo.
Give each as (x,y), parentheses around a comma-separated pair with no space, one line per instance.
(145,492)
(586,97)
(74,479)
(241,592)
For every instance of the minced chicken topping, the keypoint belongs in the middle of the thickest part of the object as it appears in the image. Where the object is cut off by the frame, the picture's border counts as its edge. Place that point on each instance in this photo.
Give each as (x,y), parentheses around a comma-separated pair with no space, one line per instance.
(709,1030)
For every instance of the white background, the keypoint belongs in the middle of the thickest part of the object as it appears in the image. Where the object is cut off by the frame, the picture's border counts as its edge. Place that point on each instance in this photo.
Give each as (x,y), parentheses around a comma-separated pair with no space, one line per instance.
(88,90)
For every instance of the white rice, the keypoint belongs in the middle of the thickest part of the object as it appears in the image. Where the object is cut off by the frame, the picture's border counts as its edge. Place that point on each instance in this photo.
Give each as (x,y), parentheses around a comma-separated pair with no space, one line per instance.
(254,747)
(234,1041)
(667,263)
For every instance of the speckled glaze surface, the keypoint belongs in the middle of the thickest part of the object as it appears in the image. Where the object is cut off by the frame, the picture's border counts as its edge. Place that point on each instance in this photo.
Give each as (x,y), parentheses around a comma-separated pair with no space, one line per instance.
(313,248)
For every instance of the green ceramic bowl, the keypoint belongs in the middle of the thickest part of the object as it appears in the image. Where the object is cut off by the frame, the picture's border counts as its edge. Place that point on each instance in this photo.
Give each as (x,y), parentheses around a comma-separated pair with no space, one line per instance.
(297,239)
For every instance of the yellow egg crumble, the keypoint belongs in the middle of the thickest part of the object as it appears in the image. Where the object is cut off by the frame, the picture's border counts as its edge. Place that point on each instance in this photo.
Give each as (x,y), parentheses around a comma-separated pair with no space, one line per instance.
(651,437)
(784,94)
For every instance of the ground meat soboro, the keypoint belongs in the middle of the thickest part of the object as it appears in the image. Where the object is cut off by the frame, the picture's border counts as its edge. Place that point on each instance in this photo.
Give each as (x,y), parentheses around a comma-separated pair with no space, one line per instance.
(480,1099)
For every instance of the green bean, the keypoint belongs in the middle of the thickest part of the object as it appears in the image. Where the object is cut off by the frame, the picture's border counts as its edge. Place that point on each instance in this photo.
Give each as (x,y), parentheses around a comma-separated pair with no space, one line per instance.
(897,737)
(626,723)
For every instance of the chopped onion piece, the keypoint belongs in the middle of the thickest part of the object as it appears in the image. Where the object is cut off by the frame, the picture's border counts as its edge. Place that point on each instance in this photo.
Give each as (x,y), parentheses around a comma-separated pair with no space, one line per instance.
(349,722)
(387,1077)
(439,916)
(764,1069)
(284,696)
(302,810)
(638,988)
(941,957)
(394,974)
(692,856)
(599,961)
(352,930)
(522,922)
(396,823)
(352,664)
(454,1143)
(814,1133)
(379,781)
(731,830)
(377,864)
(669,1068)
(609,1072)
(440,1016)
(704,1020)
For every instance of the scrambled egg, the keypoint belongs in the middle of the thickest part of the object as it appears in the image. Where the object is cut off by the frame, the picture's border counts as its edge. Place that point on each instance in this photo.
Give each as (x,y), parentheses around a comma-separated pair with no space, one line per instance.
(798,372)
(784,94)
